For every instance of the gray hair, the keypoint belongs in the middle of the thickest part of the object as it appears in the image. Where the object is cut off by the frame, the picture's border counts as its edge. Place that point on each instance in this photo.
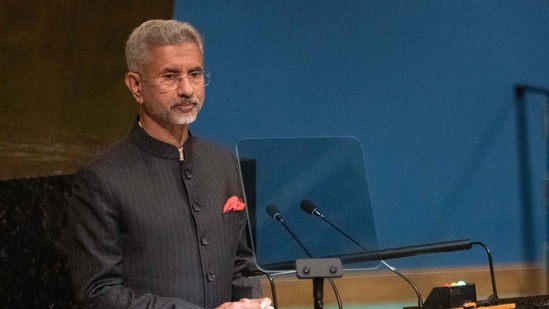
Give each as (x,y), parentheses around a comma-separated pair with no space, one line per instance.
(155,33)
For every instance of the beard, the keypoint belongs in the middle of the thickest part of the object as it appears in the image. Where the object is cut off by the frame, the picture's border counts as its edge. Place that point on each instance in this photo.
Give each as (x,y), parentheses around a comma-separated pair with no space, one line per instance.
(186,117)
(180,111)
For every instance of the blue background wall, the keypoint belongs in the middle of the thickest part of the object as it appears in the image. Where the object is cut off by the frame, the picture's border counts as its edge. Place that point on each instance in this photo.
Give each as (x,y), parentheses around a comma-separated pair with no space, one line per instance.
(426,86)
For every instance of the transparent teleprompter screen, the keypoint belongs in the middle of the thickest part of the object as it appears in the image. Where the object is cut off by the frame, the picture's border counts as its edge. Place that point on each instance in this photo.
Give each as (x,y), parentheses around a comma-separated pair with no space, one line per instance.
(307,198)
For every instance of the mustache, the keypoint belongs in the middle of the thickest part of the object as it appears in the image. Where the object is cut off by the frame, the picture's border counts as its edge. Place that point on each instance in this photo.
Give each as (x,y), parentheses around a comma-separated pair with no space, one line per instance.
(184,102)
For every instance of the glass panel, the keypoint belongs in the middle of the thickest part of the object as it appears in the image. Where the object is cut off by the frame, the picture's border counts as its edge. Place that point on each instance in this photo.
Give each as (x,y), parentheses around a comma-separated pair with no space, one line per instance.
(327,171)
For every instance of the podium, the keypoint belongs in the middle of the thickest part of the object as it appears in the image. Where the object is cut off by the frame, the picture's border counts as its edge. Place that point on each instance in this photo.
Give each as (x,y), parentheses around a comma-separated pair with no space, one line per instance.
(279,174)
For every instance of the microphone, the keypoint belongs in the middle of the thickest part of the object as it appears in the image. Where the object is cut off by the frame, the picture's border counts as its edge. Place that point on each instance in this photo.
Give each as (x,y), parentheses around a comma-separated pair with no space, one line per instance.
(274,213)
(310,208)
(393,253)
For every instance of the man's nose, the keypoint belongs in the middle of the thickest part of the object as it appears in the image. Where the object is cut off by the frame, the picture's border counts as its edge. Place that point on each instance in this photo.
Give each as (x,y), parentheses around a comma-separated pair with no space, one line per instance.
(185,87)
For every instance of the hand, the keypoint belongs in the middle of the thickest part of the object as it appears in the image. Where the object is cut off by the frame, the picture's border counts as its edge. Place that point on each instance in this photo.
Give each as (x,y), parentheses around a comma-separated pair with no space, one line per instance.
(244,303)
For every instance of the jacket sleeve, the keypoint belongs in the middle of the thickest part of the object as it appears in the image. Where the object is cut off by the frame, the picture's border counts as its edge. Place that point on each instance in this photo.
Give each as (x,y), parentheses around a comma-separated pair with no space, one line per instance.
(244,287)
(94,244)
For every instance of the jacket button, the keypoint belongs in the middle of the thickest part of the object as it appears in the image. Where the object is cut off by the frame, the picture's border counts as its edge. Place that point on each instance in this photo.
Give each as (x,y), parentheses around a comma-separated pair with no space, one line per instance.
(196,207)
(204,240)
(210,277)
(188,174)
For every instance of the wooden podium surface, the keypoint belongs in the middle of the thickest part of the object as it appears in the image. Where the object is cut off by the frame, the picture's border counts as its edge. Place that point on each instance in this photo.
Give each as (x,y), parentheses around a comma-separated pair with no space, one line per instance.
(528,302)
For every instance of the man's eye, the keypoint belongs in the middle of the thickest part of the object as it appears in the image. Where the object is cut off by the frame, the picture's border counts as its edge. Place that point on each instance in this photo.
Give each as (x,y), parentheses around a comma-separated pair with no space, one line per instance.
(170,77)
(194,74)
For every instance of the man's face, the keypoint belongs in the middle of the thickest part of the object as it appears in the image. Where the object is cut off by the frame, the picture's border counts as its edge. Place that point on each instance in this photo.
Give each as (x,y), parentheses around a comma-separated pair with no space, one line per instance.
(180,103)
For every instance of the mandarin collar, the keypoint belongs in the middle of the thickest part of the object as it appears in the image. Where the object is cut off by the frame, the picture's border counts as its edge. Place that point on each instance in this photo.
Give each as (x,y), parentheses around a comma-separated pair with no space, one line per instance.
(158,148)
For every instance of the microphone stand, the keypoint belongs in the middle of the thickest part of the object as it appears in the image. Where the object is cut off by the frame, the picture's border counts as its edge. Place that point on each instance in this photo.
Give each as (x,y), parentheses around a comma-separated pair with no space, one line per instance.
(318,270)
(493,299)
(315,269)
(311,209)
(318,292)
(318,282)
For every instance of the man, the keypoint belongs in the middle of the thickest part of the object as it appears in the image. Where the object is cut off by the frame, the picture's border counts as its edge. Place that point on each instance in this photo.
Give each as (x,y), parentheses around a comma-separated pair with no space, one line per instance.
(157,221)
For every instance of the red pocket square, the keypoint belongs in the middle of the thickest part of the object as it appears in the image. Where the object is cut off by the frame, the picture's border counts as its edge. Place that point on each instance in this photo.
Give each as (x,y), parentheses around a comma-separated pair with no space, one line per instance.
(233,204)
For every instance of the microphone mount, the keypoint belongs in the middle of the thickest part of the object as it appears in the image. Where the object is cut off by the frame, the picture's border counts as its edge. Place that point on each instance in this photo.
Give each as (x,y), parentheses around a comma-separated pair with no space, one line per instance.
(315,269)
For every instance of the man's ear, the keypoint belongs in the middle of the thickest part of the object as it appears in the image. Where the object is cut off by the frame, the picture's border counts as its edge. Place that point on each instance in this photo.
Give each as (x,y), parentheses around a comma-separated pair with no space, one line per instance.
(134,83)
